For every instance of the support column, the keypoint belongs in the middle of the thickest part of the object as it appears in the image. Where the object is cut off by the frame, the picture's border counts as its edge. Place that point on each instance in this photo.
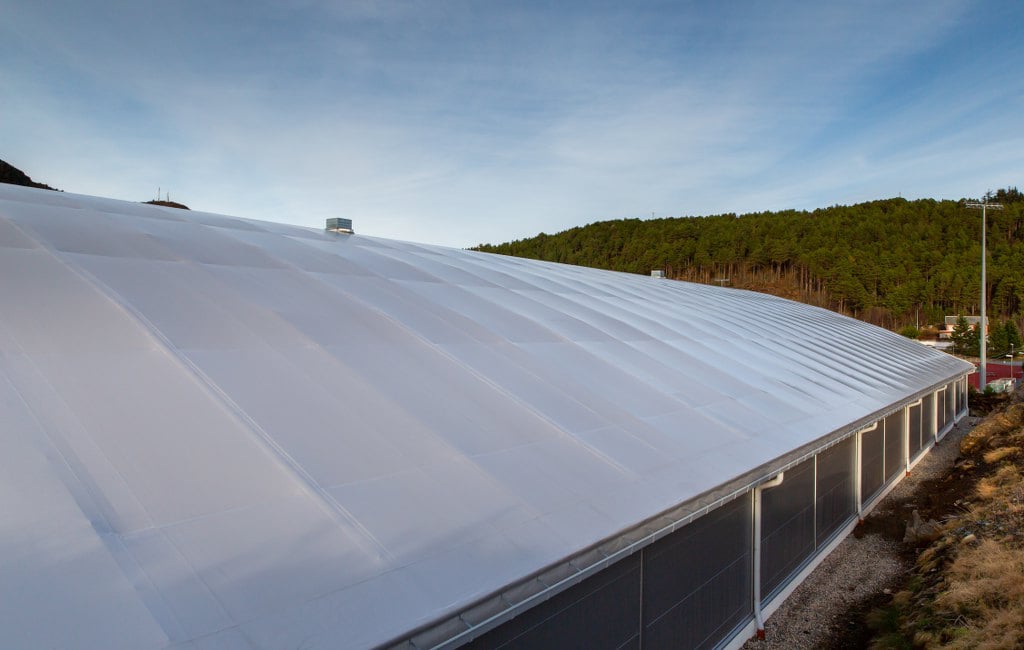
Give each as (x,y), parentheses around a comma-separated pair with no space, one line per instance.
(858,471)
(906,433)
(758,616)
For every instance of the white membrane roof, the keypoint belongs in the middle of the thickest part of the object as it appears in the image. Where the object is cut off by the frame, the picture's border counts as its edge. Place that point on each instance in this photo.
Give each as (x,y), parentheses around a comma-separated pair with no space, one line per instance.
(224,433)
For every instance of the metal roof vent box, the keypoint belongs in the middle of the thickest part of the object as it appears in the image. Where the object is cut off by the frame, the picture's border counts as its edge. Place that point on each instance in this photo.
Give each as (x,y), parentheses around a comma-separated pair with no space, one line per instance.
(337,224)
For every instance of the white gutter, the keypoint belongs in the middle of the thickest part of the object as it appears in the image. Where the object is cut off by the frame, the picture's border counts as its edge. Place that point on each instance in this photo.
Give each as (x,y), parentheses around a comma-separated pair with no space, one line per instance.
(758,616)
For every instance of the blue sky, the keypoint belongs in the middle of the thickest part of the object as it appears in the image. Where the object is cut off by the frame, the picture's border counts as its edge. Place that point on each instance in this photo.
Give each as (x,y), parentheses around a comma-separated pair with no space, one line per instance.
(465,122)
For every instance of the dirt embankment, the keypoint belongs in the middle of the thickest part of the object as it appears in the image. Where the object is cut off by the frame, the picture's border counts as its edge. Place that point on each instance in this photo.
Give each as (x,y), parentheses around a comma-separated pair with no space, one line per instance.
(966,586)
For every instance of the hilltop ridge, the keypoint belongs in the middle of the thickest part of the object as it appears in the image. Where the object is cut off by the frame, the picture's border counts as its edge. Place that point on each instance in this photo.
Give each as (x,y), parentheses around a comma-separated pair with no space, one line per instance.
(891,262)
(14,176)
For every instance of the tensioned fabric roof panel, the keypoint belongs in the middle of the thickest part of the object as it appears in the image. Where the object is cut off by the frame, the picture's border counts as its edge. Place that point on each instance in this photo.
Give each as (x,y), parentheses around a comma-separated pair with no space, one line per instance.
(224,433)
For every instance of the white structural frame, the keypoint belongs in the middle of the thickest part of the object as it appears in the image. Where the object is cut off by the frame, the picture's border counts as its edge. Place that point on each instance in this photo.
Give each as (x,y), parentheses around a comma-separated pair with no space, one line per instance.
(773,482)
(756,628)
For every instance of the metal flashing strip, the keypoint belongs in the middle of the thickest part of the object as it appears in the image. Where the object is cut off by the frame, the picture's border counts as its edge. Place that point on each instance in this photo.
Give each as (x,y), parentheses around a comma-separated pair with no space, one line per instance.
(536,589)
(496,608)
(867,423)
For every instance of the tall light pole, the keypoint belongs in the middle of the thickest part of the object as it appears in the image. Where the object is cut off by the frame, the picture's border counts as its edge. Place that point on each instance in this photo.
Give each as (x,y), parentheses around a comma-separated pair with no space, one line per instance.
(983,325)
(1012,378)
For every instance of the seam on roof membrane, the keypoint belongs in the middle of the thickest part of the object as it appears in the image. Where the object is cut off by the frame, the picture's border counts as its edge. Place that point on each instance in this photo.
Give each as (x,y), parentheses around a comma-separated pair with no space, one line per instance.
(473,371)
(359,534)
(518,400)
(74,476)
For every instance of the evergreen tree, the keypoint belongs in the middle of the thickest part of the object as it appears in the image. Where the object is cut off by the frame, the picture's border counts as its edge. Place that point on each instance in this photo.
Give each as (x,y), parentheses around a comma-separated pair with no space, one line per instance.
(972,342)
(1009,337)
(1004,338)
(998,343)
(965,338)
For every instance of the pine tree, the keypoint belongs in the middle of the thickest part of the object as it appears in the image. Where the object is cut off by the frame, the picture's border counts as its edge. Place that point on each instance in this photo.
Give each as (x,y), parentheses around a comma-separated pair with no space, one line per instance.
(966,339)
(998,344)
(1012,335)
(961,334)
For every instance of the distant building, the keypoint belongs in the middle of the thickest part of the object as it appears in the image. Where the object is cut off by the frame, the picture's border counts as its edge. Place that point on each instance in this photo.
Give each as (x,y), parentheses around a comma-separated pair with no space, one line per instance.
(946,331)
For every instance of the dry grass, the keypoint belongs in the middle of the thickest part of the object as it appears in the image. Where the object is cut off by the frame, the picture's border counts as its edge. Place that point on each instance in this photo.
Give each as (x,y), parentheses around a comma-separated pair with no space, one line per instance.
(996,455)
(985,590)
(987,576)
(983,598)
(996,426)
(968,589)
(1005,478)
(1015,437)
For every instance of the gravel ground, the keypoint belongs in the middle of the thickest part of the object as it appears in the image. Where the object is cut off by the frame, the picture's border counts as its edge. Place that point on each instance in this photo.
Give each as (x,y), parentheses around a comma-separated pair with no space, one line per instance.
(818,614)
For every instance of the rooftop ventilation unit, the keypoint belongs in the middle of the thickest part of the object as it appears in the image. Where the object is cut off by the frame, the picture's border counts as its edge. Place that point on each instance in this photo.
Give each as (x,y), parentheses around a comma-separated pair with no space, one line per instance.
(657,273)
(340,225)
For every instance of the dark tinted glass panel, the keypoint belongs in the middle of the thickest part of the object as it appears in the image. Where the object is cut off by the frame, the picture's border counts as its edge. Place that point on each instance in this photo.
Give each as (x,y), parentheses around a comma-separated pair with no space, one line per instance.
(697,581)
(928,418)
(872,473)
(837,498)
(603,611)
(950,402)
(787,526)
(914,436)
(894,439)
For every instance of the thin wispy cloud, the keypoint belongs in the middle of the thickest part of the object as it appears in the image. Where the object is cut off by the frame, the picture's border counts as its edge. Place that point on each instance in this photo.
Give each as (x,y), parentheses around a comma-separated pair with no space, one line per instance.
(460,123)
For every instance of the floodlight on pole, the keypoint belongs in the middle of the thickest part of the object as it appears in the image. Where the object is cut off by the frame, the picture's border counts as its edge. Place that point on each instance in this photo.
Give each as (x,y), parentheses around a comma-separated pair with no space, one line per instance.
(983,325)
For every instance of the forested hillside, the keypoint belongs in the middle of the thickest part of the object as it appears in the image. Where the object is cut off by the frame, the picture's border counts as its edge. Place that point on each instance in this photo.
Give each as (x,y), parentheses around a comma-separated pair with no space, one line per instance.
(892,262)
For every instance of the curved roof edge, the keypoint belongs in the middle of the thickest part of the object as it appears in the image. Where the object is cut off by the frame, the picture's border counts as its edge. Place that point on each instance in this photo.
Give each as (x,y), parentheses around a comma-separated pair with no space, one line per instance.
(505,604)
(434,425)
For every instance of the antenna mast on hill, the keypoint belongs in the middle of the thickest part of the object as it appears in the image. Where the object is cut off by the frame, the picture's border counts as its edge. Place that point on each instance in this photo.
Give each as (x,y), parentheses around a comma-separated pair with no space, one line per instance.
(983,335)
